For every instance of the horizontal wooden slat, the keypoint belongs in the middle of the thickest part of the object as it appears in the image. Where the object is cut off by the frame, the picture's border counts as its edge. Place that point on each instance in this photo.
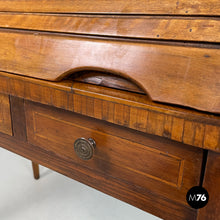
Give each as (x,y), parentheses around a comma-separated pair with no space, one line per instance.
(184,7)
(151,27)
(161,70)
(128,109)
(42,91)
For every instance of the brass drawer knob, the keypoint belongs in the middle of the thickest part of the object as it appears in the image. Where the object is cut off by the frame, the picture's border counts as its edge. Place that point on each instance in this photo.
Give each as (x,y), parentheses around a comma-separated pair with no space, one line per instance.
(84,148)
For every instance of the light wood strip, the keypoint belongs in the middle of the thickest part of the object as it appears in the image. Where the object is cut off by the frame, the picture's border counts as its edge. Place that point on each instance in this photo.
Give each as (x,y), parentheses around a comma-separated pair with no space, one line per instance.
(177,129)
(212,137)
(199,134)
(98,108)
(14,87)
(168,122)
(185,7)
(84,105)
(155,123)
(108,109)
(60,98)
(141,119)
(122,114)
(189,132)
(35,92)
(133,117)
(70,102)
(148,27)
(77,103)
(89,106)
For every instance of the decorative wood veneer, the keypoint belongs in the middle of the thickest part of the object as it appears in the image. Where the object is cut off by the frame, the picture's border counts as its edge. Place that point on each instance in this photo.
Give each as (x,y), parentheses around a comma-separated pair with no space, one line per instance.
(168,49)
(119,107)
(159,70)
(5,115)
(142,199)
(42,133)
(211,184)
(186,7)
(121,153)
(153,122)
(146,27)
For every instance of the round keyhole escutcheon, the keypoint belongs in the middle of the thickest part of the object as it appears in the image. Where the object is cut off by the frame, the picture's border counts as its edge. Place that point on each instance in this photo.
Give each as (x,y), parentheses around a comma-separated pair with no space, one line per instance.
(84,148)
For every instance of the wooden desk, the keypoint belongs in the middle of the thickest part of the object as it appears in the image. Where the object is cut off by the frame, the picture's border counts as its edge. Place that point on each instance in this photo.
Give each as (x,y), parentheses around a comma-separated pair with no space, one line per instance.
(123,97)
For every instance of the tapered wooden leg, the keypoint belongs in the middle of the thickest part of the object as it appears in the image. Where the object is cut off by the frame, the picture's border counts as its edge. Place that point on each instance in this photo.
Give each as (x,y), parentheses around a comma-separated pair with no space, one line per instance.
(36,172)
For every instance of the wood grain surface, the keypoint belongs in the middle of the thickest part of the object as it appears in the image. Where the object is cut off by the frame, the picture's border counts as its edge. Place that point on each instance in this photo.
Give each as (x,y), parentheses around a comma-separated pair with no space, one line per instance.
(157,205)
(154,108)
(127,109)
(146,27)
(18,118)
(106,80)
(5,115)
(36,171)
(119,152)
(170,7)
(212,185)
(158,69)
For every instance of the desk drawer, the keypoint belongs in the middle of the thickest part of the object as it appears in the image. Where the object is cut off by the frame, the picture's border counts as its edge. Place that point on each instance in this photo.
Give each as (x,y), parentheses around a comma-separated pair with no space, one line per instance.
(5,115)
(147,163)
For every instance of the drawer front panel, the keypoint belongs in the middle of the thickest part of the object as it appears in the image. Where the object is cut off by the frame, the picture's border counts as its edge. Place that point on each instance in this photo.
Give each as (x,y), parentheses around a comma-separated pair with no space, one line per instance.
(5,115)
(130,156)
